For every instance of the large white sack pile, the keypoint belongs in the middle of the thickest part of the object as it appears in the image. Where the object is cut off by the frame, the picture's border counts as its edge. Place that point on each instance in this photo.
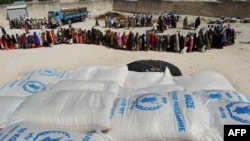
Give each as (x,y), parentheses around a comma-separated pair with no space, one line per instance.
(104,103)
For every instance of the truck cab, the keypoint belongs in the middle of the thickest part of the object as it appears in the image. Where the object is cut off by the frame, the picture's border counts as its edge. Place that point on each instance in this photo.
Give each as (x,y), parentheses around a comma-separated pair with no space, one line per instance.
(64,15)
(57,15)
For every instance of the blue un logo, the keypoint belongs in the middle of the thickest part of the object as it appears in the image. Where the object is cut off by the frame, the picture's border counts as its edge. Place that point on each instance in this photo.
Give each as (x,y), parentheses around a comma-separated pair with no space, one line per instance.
(51,136)
(48,72)
(239,111)
(150,102)
(34,87)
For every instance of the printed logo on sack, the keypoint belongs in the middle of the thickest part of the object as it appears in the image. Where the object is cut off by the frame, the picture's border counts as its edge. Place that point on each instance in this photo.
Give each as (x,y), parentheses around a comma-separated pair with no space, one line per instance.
(150,102)
(52,136)
(48,72)
(215,96)
(34,87)
(239,111)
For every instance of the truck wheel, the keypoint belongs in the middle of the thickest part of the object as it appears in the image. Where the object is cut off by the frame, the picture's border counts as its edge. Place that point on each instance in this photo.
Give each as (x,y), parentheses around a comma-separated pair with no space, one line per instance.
(83,19)
(153,66)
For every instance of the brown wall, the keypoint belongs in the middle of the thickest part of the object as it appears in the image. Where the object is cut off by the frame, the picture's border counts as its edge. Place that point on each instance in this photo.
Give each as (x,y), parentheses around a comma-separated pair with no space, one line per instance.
(40,9)
(222,8)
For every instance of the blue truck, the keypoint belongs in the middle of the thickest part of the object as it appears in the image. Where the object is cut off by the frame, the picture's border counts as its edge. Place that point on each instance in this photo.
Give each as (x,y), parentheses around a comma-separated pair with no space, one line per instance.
(65,15)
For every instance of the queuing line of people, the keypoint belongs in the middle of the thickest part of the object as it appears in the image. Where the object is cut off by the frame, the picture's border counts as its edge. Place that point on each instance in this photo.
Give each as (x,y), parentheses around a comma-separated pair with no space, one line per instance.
(207,38)
(23,22)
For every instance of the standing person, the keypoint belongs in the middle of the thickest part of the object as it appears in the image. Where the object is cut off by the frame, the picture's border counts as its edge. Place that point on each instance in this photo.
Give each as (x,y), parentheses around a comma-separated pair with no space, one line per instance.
(96,21)
(1,43)
(36,40)
(124,40)
(191,44)
(119,39)
(70,24)
(197,22)
(59,35)
(18,41)
(3,30)
(54,37)
(49,38)
(177,43)
(26,27)
(143,42)
(152,40)
(185,22)
(14,41)
(106,21)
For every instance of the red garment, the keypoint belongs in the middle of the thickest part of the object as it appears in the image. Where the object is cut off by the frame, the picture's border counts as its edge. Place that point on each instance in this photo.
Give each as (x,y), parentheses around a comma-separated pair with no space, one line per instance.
(54,37)
(152,39)
(48,38)
(22,42)
(2,43)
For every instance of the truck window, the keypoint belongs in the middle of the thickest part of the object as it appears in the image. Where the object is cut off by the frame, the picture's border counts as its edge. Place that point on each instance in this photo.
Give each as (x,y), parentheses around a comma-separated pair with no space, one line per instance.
(57,14)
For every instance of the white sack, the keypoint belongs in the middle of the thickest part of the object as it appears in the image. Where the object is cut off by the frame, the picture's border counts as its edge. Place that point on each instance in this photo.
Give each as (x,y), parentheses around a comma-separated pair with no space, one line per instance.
(146,79)
(83,111)
(206,80)
(86,85)
(124,92)
(48,74)
(158,116)
(26,131)
(207,96)
(8,105)
(101,73)
(24,87)
(227,112)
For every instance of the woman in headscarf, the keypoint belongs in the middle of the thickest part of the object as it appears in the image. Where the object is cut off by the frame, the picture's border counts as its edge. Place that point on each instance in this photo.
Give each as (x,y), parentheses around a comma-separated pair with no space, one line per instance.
(84,36)
(2,44)
(112,42)
(54,37)
(185,22)
(143,42)
(14,41)
(30,41)
(9,42)
(43,39)
(136,46)
(124,45)
(48,38)
(152,40)
(36,40)
(119,39)
(18,41)
(191,44)
(59,35)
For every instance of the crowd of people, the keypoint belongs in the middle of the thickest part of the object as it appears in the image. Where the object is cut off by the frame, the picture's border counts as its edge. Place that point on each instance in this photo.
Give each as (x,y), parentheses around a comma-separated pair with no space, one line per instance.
(165,21)
(23,22)
(213,36)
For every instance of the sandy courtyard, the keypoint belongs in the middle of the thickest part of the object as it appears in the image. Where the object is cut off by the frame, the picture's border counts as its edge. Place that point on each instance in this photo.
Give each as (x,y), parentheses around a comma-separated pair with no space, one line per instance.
(232,61)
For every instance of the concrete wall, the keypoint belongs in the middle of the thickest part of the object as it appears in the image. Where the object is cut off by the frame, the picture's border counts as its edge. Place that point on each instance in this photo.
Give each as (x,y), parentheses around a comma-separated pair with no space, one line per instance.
(40,9)
(202,8)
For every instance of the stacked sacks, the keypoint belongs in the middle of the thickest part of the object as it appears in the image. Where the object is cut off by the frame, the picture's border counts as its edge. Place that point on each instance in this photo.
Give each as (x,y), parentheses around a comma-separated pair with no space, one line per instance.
(33,82)
(126,105)
(224,104)
(48,74)
(73,110)
(101,73)
(204,80)
(8,105)
(176,115)
(26,131)
(137,80)
(225,107)
(146,82)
